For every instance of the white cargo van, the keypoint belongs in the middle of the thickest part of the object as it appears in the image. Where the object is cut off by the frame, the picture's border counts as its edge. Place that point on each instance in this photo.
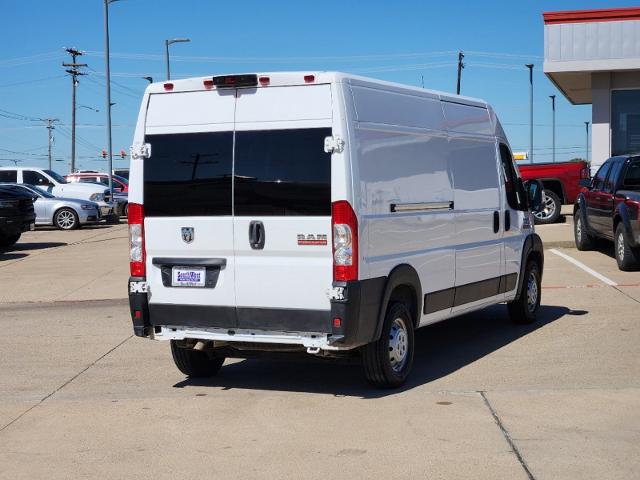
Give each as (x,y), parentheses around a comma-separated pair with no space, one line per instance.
(321,212)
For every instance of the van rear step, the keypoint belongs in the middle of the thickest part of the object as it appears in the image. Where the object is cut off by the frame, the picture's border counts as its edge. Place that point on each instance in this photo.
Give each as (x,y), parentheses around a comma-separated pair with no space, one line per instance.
(309,340)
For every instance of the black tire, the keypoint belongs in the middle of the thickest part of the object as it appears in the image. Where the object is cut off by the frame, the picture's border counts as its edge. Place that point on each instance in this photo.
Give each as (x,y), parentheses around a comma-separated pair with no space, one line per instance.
(195,363)
(525,309)
(628,258)
(379,368)
(66,219)
(125,210)
(551,212)
(583,240)
(9,241)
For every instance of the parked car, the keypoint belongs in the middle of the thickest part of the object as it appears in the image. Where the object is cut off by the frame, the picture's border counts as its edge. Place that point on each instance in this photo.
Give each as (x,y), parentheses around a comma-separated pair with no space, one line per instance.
(120,187)
(16,215)
(120,184)
(56,184)
(121,172)
(561,182)
(365,210)
(609,207)
(63,213)
(122,203)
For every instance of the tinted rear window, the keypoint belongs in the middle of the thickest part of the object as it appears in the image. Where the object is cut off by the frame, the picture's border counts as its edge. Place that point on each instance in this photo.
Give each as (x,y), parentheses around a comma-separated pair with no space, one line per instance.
(188,174)
(8,176)
(282,173)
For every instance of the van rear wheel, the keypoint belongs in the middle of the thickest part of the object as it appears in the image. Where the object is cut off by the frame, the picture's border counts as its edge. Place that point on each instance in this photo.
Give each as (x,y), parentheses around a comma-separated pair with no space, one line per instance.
(195,363)
(388,361)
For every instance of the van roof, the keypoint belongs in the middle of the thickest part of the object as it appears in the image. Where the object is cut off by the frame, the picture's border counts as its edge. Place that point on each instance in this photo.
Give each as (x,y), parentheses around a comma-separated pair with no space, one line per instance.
(279,79)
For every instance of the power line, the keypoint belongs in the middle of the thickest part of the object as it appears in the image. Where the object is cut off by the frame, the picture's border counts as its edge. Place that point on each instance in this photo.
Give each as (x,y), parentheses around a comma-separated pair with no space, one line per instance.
(18,116)
(35,80)
(40,57)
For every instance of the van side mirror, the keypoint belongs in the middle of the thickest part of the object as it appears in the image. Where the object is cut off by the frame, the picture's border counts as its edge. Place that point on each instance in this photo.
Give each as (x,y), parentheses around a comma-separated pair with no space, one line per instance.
(534,190)
(585,182)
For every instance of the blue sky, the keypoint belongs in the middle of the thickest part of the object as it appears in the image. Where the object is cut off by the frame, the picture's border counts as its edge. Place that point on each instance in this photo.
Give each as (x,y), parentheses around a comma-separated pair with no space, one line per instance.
(396,41)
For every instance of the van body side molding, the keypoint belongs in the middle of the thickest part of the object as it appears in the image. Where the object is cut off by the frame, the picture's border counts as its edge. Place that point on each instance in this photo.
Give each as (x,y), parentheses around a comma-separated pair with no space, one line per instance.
(471,292)
(423,206)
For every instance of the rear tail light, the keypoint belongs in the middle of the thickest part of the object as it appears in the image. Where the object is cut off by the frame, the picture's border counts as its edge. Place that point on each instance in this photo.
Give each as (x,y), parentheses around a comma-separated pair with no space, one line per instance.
(208,84)
(264,81)
(345,241)
(136,240)
(309,78)
(168,86)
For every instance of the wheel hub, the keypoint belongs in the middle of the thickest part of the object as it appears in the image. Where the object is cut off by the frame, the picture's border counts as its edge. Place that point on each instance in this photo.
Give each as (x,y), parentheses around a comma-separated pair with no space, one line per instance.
(549,208)
(621,246)
(398,344)
(65,219)
(532,292)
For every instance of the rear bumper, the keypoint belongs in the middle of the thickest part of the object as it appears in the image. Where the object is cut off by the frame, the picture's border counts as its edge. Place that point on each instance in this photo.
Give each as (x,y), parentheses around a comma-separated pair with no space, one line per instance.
(14,225)
(350,322)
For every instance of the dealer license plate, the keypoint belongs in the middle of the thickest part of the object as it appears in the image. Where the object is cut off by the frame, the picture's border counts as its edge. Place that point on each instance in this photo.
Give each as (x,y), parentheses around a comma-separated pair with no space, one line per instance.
(188,276)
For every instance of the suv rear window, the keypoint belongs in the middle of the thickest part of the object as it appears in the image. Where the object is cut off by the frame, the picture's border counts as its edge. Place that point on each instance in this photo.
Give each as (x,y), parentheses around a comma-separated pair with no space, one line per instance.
(282,173)
(188,174)
(8,176)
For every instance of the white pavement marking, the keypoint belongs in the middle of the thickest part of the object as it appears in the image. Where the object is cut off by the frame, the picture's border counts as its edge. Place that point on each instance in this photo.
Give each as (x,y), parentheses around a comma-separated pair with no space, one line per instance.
(581,265)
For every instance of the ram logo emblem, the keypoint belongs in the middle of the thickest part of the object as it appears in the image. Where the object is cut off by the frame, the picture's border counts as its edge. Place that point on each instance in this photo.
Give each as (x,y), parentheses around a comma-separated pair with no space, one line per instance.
(187,234)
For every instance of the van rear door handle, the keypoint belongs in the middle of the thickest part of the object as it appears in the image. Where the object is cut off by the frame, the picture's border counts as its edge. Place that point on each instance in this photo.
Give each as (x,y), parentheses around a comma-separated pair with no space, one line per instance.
(256,235)
(496,221)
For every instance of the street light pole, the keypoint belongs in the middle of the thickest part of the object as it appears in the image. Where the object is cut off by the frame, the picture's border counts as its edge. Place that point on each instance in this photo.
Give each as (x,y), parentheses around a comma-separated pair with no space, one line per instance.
(108,80)
(553,126)
(586,124)
(166,50)
(530,67)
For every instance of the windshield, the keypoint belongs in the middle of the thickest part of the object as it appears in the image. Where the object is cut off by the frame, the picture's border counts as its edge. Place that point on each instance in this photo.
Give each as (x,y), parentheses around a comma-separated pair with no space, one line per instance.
(41,192)
(121,179)
(57,177)
(632,178)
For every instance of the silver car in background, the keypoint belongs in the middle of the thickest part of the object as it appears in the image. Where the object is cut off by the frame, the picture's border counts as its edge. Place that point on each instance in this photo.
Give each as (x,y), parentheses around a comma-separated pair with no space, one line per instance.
(63,213)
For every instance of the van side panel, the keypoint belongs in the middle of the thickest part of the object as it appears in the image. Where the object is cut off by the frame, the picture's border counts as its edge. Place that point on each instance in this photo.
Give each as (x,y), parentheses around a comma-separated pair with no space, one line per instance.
(478,215)
(404,187)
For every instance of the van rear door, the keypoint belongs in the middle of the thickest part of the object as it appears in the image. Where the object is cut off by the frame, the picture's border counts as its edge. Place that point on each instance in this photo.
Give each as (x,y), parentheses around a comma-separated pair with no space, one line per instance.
(188,208)
(282,208)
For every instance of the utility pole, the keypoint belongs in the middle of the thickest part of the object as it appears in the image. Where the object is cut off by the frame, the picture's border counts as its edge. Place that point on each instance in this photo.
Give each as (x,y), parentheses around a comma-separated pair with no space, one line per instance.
(553,126)
(460,67)
(530,67)
(586,124)
(51,128)
(75,73)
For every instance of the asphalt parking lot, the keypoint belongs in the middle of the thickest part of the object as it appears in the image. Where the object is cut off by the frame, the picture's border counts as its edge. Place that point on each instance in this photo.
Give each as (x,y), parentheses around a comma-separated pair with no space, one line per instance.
(80,397)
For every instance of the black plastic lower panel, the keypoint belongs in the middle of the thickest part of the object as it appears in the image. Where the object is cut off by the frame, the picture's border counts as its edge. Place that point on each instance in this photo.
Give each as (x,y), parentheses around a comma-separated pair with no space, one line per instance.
(271,319)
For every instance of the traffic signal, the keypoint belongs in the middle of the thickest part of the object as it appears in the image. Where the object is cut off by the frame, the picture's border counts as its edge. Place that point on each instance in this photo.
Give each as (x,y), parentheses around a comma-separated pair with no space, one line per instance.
(104,153)
(123,154)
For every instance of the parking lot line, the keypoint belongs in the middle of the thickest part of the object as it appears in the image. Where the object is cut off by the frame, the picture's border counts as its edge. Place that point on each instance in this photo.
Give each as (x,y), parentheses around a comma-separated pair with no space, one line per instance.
(581,265)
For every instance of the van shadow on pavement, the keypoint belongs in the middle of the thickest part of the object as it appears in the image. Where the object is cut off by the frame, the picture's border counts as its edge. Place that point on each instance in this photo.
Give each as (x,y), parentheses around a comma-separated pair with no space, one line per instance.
(441,349)
(25,246)
(13,252)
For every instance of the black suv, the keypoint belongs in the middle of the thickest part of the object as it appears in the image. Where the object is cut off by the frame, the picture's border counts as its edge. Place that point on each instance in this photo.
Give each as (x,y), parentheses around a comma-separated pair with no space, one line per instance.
(16,215)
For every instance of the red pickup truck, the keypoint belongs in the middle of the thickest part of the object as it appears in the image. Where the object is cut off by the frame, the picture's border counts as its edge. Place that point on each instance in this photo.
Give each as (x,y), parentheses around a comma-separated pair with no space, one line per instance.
(561,182)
